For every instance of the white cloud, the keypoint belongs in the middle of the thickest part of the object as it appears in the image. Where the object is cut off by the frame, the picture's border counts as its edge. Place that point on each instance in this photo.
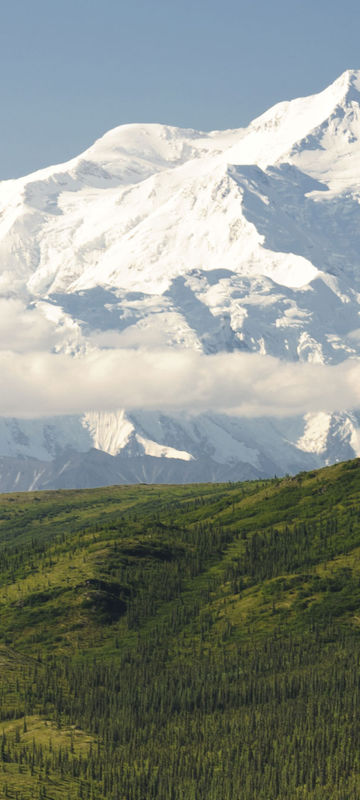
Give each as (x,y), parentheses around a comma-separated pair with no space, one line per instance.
(24,329)
(40,383)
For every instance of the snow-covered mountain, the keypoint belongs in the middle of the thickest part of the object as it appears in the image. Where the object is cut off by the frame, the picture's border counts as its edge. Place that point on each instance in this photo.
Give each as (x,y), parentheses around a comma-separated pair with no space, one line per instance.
(156,237)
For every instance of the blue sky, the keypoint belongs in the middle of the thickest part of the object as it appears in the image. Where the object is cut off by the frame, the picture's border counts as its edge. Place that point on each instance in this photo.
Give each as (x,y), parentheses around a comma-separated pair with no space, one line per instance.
(69,71)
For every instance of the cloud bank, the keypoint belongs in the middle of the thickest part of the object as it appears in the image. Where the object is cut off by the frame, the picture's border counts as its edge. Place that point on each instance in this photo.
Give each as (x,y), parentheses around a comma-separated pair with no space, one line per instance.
(36,383)
(104,376)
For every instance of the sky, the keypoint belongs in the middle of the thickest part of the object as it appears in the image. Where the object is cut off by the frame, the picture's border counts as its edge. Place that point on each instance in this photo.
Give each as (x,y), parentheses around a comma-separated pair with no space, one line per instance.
(71,70)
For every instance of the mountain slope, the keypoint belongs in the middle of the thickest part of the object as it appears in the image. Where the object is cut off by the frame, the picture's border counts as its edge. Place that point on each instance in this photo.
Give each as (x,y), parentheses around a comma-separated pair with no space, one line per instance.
(182,641)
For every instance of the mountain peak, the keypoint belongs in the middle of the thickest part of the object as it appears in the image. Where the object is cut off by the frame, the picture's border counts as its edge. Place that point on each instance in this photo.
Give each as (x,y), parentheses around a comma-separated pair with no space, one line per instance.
(346,87)
(326,123)
(160,239)
(349,77)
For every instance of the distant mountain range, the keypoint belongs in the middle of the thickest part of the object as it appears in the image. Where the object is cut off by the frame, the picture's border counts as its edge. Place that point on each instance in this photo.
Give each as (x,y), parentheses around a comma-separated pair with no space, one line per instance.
(243,240)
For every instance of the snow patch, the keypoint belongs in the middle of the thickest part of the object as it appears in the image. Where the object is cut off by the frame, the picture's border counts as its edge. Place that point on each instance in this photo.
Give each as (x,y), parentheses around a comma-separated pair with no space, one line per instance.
(110,431)
(161,451)
(314,438)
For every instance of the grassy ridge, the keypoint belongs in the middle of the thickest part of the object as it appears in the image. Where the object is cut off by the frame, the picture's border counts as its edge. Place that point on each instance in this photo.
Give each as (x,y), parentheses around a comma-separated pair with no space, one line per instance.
(182,642)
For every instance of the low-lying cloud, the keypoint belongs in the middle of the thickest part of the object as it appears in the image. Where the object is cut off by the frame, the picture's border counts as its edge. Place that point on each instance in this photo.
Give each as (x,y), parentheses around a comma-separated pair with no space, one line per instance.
(36,384)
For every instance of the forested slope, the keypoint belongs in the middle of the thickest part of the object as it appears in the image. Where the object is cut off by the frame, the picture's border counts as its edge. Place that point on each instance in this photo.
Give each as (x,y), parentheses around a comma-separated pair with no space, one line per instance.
(182,643)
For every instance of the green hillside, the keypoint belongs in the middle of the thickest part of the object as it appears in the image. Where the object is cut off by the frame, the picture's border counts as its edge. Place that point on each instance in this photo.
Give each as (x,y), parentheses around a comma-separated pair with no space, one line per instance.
(182,642)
